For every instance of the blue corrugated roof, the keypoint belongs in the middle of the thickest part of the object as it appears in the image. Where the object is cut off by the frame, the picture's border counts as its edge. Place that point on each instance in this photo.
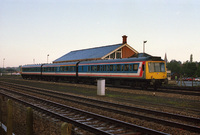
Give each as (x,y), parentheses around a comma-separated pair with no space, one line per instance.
(97,52)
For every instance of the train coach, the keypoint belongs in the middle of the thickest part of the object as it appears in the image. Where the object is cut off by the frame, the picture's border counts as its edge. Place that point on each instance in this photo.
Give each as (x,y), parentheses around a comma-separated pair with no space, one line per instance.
(141,71)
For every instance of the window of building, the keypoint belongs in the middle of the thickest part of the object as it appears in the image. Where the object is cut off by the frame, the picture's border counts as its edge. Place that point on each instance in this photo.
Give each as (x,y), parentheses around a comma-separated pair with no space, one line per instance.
(112,56)
(115,55)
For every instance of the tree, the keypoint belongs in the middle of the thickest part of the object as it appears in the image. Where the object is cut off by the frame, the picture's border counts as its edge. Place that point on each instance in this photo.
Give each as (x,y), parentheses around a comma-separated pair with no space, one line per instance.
(174,66)
(189,69)
(198,70)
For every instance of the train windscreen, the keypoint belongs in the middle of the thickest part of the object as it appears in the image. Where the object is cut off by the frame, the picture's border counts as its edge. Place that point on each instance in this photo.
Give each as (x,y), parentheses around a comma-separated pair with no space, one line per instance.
(156,67)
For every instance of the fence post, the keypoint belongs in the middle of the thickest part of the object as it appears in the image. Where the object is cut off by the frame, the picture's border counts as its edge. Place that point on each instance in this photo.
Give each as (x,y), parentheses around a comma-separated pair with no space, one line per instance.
(1,117)
(9,117)
(66,129)
(29,121)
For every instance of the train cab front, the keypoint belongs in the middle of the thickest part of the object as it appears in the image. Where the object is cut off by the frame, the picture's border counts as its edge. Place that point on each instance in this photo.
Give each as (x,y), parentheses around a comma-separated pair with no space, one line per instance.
(156,73)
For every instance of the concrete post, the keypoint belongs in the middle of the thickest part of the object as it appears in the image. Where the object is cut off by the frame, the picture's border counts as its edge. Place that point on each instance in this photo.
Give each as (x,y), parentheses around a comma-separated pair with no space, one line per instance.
(29,121)
(66,129)
(9,117)
(101,87)
(1,132)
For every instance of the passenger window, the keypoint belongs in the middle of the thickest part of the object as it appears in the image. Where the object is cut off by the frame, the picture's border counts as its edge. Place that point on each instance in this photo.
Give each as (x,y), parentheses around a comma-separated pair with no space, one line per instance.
(122,68)
(111,67)
(126,67)
(135,67)
(108,68)
(98,68)
(118,67)
(131,67)
(114,68)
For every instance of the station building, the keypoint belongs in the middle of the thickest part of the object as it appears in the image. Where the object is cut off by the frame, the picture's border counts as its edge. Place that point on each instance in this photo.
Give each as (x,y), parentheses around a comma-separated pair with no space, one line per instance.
(116,51)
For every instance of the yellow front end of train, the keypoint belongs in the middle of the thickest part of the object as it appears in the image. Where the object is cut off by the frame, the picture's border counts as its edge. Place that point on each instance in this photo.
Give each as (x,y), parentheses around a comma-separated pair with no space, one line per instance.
(156,72)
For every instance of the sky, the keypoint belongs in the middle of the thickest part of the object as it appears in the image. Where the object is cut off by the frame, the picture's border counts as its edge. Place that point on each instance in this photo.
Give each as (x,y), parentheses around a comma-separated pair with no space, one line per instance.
(32,29)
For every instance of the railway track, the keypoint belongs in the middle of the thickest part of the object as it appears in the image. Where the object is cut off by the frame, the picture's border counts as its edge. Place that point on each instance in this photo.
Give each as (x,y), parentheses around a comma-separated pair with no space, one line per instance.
(192,91)
(88,121)
(127,109)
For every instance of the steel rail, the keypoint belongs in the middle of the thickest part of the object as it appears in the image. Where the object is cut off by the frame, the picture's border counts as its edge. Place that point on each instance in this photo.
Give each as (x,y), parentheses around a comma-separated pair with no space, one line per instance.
(162,121)
(84,126)
(149,111)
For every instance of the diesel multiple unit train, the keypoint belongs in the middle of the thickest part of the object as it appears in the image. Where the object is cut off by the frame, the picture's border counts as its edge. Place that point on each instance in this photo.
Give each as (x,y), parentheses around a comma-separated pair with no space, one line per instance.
(139,71)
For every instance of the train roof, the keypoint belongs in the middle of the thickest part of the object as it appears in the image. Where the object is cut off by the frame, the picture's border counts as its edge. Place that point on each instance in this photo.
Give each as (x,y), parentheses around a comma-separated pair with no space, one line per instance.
(49,65)
(60,64)
(32,65)
(149,58)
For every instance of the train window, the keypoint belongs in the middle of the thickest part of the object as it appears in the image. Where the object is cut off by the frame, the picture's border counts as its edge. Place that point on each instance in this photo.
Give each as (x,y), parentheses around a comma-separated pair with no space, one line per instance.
(98,68)
(122,68)
(114,67)
(94,68)
(104,68)
(111,67)
(101,67)
(135,67)
(108,68)
(126,67)
(156,67)
(88,68)
(131,67)
(162,67)
(67,68)
(62,69)
(118,67)
(151,67)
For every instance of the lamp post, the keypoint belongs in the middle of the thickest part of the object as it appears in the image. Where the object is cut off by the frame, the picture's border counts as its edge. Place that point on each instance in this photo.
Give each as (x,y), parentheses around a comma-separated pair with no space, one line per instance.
(3,64)
(144,46)
(47,58)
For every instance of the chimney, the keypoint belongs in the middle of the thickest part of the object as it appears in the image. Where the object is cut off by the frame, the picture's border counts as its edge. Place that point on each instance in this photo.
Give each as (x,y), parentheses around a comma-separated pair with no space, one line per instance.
(124,39)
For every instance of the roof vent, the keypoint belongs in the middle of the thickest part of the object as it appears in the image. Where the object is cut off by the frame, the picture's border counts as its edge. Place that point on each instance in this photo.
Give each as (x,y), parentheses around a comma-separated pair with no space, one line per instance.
(124,39)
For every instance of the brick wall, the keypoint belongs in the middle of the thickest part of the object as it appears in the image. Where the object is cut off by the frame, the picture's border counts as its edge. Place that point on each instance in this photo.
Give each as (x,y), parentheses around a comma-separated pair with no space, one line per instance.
(126,52)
